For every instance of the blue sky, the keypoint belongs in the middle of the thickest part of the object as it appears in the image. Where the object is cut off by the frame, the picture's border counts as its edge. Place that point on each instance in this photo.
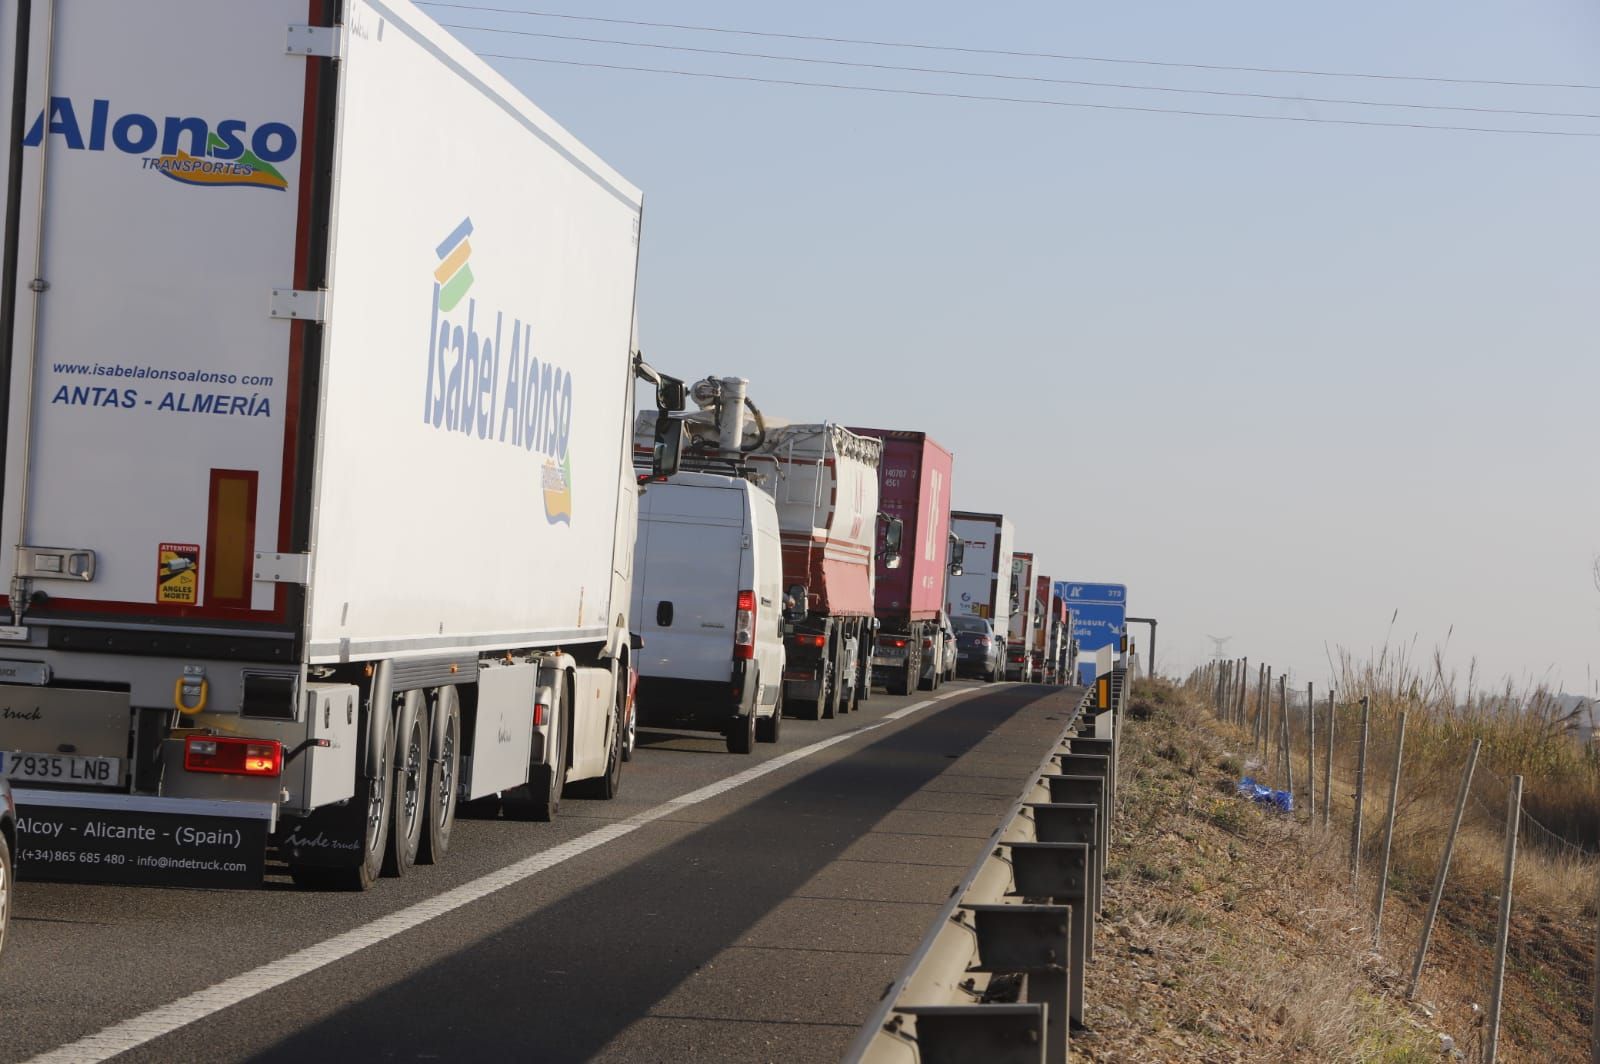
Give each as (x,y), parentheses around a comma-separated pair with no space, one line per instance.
(1281,379)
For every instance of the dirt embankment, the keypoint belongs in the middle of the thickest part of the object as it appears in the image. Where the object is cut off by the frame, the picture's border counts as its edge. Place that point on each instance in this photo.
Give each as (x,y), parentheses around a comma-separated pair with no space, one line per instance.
(1232,932)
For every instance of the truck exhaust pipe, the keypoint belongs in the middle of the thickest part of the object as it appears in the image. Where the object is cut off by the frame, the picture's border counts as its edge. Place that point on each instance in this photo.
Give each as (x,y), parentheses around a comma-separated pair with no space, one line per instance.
(730,415)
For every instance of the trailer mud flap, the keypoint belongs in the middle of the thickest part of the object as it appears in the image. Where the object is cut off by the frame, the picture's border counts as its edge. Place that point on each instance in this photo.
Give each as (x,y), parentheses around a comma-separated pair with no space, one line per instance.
(334,836)
(183,842)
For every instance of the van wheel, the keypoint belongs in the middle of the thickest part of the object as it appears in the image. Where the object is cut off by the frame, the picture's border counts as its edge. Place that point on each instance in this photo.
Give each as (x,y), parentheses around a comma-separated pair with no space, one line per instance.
(444,773)
(410,787)
(768,728)
(742,733)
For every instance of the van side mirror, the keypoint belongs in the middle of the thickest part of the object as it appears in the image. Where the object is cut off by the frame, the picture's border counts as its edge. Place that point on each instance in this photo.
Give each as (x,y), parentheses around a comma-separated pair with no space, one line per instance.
(796,603)
(667,452)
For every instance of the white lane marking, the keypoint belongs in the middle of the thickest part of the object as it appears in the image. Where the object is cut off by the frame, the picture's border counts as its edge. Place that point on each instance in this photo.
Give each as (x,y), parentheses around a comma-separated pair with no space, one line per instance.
(135,1032)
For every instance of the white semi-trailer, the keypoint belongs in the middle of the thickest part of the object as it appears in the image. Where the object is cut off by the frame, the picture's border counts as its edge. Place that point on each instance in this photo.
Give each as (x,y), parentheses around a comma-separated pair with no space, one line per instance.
(319,511)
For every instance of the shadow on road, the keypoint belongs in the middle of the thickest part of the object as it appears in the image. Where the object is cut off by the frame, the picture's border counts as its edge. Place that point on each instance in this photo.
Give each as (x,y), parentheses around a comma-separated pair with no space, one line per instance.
(562,982)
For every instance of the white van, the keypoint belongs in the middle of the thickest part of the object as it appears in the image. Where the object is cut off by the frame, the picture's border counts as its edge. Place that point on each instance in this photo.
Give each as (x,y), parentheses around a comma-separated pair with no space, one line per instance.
(708,604)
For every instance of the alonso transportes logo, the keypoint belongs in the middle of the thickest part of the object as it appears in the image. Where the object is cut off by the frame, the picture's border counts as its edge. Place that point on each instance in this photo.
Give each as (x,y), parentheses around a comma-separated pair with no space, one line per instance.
(187,149)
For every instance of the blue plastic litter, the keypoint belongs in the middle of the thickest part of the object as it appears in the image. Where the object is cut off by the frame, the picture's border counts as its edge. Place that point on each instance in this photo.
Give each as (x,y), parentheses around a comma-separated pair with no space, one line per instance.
(1283,801)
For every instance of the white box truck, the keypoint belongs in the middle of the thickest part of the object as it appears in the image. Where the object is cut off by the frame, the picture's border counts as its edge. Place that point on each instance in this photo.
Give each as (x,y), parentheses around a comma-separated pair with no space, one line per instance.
(984,588)
(316,349)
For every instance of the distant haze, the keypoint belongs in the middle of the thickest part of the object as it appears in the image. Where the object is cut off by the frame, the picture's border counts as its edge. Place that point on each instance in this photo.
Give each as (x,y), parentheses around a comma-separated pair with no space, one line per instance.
(1281,379)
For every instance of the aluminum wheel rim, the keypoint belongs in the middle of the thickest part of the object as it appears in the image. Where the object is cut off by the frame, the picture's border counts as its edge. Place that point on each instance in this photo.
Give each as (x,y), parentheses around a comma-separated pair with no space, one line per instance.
(447,771)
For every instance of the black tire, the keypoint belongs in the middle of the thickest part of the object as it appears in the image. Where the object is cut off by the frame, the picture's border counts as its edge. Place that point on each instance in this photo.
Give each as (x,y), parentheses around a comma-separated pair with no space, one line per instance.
(742,733)
(769,728)
(540,798)
(410,807)
(630,732)
(444,775)
(830,707)
(606,786)
(375,837)
(7,878)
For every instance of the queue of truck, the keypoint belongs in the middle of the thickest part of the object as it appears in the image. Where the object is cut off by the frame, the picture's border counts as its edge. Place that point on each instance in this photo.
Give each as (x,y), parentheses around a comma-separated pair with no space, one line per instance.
(260,610)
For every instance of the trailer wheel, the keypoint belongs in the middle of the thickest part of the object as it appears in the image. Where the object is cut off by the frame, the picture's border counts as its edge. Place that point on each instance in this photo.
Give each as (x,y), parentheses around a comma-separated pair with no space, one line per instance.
(375,835)
(410,787)
(769,728)
(444,772)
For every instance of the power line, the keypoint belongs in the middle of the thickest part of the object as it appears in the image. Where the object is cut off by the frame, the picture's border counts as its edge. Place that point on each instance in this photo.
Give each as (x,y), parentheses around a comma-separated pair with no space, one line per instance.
(884,90)
(1014,53)
(1018,77)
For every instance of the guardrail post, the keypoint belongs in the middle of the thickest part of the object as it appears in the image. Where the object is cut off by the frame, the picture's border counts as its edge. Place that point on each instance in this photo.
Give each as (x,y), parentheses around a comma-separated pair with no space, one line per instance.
(1034,941)
(1513,822)
(1388,834)
(1361,791)
(1444,867)
(1082,790)
(1059,872)
(959,1034)
(1088,765)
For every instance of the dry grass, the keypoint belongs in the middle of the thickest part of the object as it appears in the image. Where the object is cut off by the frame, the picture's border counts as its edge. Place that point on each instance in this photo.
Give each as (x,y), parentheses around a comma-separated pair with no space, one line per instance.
(1226,938)
(1523,733)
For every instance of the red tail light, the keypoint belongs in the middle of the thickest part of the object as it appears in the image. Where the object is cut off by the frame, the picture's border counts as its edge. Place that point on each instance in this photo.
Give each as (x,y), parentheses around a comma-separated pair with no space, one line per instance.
(242,757)
(897,642)
(927,644)
(744,627)
(806,639)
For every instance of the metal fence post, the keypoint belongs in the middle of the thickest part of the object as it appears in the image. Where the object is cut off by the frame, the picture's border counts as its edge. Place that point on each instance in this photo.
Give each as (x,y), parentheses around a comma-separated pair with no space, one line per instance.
(1388,834)
(1361,792)
(1283,739)
(1513,821)
(1327,773)
(1311,758)
(1444,867)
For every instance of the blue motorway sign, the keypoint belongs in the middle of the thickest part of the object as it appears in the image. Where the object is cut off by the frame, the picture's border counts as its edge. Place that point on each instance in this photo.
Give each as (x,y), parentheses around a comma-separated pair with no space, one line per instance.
(1099,613)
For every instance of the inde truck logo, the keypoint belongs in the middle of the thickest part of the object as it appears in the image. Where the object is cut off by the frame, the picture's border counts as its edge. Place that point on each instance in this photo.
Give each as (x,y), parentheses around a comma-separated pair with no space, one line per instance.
(187,149)
(469,392)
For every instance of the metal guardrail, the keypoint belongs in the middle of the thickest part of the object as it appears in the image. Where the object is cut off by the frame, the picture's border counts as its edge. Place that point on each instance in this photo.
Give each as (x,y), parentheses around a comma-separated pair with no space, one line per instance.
(1000,977)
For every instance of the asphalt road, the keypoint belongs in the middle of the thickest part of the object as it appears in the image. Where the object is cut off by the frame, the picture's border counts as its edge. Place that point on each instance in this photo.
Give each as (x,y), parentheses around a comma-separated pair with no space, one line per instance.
(721,908)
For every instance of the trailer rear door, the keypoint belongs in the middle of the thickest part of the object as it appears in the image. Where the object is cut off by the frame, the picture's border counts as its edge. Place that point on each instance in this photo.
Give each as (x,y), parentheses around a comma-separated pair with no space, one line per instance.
(155,403)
